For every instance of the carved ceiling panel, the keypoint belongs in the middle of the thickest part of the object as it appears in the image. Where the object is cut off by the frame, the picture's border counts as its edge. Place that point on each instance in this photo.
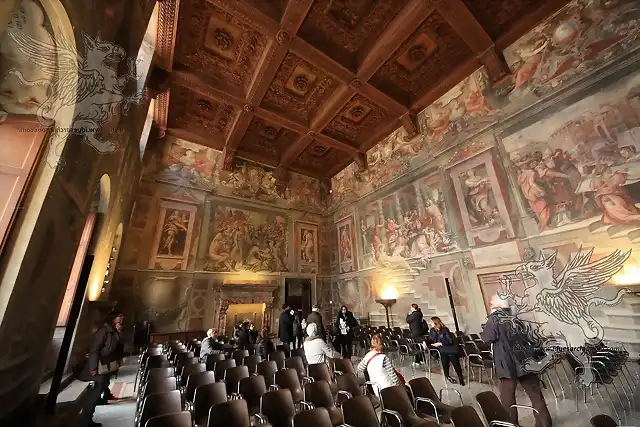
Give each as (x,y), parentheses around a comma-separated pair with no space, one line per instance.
(298,89)
(342,29)
(272,8)
(267,139)
(318,158)
(355,121)
(427,56)
(212,40)
(499,16)
(200,114)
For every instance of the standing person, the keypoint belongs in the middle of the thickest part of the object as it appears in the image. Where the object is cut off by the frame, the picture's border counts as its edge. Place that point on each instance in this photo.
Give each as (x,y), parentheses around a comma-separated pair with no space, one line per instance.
(298,333)
(316,350)
(103,348)
(253,334)
(344,326)
(207,345)
(378,366)
(244,338)
(414,319)
(285,325)
(449,351)
(316,317)
(511,348)
(264,345)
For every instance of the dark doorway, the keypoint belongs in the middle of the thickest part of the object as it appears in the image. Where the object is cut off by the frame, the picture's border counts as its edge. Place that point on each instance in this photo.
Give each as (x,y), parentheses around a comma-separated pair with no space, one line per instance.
(297,294)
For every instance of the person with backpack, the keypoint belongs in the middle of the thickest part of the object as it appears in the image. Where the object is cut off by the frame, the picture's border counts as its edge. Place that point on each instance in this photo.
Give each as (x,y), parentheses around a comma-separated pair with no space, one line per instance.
(511,348)
(378,368)
(449,351)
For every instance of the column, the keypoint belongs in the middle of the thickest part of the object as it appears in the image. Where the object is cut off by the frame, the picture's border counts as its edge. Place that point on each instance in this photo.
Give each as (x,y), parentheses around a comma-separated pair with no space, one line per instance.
(398,209)
(381,222)
(419,198)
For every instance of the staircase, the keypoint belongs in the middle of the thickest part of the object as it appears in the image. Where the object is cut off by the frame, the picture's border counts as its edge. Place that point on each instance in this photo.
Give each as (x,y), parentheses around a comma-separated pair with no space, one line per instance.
(404,276)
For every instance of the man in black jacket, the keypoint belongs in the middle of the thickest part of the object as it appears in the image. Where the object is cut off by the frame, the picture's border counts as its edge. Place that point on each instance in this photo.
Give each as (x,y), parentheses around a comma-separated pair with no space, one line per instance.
(285,325)
(244,339)
(103,349)
(316,317)
(414,319)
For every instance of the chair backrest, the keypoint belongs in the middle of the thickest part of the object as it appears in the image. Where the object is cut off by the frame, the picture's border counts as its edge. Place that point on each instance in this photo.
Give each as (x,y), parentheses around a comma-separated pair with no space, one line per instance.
(268,369)
(317,417)
(177,419)
(251,389)
(160,404)
(300,353)
(603,420)
(396,399)
(212,359)
(160,385)
(319,372)
(232,377)
(349,383)
(359,412)
(278,407)
(222,366)
(205,397)
(284,348)
(288,378)
(295,362)
(422,387)
(232,413)
(278,357)
(160,373)
(238,355)
(344,365)
(182,357)
(466,416)
(188,370)
(196,380)
(251,362)
(492,407)
(318,393)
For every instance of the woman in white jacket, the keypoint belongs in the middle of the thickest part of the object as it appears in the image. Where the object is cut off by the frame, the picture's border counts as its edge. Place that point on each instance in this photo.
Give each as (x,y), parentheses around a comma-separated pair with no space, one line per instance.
(315,349)
(378,366)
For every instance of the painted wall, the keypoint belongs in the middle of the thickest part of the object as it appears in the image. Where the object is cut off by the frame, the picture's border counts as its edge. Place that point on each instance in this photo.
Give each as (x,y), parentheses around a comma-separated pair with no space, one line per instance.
(544,161)
(198,230)
(37,260)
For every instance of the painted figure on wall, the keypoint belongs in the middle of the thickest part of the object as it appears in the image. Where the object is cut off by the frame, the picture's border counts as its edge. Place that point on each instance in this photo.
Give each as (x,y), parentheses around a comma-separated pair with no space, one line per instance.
(308,246)
(481,203)
(247,241)
(407,224)
(251,181)
(570,44)
(189,164)
(174,233)
(582,162)
(306,193)
(346,243)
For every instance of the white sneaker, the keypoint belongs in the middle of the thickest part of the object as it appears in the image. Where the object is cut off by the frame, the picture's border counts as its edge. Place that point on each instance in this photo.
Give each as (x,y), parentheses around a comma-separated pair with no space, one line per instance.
(415,365)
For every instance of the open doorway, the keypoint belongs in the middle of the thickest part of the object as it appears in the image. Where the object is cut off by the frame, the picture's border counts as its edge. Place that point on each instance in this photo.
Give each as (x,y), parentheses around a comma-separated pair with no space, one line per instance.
(297,294)
(238,313)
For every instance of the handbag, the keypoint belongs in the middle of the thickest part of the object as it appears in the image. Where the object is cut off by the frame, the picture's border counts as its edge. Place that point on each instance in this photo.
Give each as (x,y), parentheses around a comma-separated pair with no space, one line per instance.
(400,377)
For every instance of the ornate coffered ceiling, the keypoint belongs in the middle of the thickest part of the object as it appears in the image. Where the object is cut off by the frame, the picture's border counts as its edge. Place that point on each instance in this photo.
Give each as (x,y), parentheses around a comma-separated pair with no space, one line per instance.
(310,85)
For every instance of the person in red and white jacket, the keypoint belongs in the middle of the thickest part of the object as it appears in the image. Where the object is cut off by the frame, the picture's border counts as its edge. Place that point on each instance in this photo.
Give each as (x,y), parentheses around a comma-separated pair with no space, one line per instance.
(378,366)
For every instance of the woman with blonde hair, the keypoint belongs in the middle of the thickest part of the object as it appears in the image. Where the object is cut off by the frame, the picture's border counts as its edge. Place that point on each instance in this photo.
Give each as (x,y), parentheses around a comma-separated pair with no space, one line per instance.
(379,367)
(445,343)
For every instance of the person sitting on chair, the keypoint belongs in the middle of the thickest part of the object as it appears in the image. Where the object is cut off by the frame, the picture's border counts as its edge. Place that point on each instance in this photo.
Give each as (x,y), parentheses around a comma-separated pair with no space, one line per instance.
(316,349)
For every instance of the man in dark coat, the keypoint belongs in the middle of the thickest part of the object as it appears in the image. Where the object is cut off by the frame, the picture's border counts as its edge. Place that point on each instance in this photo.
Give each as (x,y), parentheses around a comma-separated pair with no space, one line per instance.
(316,317)
(244,338)
(414,319)
(103,349)
(285,325)
(511,348)
(298,333)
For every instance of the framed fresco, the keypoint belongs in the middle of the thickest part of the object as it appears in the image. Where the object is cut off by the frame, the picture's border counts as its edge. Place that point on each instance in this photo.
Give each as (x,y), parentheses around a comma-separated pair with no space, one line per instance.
(173,236)
(480,199)
(346,248)
(306,247)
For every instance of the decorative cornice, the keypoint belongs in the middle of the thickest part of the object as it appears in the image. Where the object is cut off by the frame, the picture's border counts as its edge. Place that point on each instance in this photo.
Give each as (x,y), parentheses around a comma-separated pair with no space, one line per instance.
(166,34)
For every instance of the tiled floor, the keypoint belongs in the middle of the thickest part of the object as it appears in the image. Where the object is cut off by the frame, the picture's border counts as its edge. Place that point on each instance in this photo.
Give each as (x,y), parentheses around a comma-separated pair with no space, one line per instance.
(563,410)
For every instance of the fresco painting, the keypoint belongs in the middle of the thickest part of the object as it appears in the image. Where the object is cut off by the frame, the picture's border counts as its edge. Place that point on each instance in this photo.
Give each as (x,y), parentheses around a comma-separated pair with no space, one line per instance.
(307,247)
(244,240)
(581,166)
(346,244)
(190,165)
(250,181)
(575,41)
(174,233)
(307,193)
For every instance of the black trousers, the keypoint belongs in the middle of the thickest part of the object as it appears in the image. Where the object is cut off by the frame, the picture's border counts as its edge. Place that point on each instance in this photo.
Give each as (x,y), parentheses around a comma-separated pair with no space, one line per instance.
(297,342)
(531,386)
(101,390)
(345,343)
(445,358)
